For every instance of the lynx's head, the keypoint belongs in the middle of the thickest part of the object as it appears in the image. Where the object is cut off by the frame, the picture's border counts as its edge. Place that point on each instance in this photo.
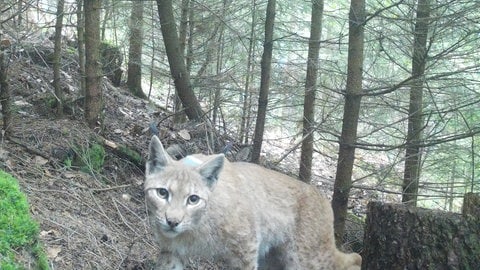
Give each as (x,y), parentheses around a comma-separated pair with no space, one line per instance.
(177,192)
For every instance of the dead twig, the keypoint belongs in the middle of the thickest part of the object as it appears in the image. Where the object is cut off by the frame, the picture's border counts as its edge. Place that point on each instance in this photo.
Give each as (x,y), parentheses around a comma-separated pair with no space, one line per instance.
(110,188)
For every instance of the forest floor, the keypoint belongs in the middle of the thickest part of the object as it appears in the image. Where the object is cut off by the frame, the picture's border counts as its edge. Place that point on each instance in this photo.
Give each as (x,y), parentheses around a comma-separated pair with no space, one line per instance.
(89,219)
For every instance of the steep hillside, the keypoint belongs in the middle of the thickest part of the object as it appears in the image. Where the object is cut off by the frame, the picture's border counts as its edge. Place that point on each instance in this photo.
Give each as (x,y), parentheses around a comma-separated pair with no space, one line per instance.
(90,218)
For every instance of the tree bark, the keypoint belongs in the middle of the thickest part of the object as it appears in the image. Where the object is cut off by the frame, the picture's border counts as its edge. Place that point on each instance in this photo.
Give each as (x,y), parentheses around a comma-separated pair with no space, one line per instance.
(93,71)
(20,10)
(246,97)
(305,172)
(134,73)
(264,81)
(185,22)
(5,97)
(57,53)
(81,45)
(107,7)
(176,61)
(403,237)
(218,46)
(353,96)
(413,155)
(182,34)
(471,204)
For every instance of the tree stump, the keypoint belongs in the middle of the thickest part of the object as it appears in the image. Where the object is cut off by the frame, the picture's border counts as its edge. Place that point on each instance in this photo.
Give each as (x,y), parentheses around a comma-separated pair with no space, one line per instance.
(401,237)
(471,205)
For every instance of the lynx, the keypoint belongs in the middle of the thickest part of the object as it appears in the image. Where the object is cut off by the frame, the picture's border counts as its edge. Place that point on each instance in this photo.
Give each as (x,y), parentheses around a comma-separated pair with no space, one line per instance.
(243,214)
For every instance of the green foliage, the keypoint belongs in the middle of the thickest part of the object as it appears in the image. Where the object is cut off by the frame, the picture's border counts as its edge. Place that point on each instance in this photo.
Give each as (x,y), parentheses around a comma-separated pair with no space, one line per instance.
(71,51)
(111,57)
(51,102)
(131,154)
(96,155)
(17,229)
(68,162)
(90,158)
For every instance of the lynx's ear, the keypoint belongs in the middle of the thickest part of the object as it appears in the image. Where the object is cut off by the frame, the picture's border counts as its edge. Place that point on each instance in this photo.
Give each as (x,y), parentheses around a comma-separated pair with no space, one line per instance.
(158,158)
(211,169)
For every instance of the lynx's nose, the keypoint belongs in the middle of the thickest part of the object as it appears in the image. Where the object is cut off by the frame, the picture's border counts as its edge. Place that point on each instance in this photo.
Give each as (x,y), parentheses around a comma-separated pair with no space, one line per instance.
(173,223)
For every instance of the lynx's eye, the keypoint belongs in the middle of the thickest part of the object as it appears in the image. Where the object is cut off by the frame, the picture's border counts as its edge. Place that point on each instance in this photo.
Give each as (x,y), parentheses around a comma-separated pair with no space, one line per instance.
(193,199)
(162,193)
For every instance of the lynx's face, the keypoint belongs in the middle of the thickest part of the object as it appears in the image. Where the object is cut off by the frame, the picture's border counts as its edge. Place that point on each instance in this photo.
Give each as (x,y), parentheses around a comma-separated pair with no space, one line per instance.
(177,199)
(177,192)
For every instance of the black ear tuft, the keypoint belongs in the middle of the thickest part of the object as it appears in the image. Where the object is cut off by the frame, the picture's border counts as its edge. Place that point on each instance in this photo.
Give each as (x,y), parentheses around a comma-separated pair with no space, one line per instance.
(211,169)
(158,158)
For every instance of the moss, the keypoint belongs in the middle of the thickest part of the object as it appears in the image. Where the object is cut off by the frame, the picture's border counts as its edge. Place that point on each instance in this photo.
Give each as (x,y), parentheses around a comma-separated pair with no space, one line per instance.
(111,57)
(132,155)
(18,232)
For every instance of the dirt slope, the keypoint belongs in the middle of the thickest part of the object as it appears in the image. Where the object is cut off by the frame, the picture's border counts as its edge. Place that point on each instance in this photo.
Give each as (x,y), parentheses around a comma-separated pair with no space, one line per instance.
(89,220)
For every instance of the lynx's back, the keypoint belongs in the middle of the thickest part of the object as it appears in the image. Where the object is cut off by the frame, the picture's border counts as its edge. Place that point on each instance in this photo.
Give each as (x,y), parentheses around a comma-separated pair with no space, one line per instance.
(238,212)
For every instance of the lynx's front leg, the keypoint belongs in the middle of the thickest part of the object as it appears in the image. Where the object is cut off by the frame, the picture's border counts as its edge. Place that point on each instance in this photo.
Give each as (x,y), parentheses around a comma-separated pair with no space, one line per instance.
(168,261)
(243,264)
(244,254)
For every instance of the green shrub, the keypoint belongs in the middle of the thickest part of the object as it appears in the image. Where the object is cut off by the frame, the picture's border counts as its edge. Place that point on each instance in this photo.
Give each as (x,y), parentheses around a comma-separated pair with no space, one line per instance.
(132,155)
(88,157)
(51,102)
(95,157)
(68,162)
(18,232)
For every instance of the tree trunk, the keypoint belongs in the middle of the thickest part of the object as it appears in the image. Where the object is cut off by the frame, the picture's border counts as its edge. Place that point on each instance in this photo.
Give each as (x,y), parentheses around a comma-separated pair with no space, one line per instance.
(402,237)
(20,10)
(264,81)
(191,32)
(93,70)
(305,172)
(246,98)
(353,96)
(210,47)
(471,204)
(413,154)
(180,117)
(176,61)
(182,34)
(57,55)
(5,97)
(107,7)
(153,55)
(134,73)
(219,44)
(81,45)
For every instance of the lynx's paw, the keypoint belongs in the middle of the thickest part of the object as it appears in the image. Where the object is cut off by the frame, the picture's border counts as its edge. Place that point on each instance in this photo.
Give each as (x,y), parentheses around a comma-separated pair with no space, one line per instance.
(350,261)
(168,262)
